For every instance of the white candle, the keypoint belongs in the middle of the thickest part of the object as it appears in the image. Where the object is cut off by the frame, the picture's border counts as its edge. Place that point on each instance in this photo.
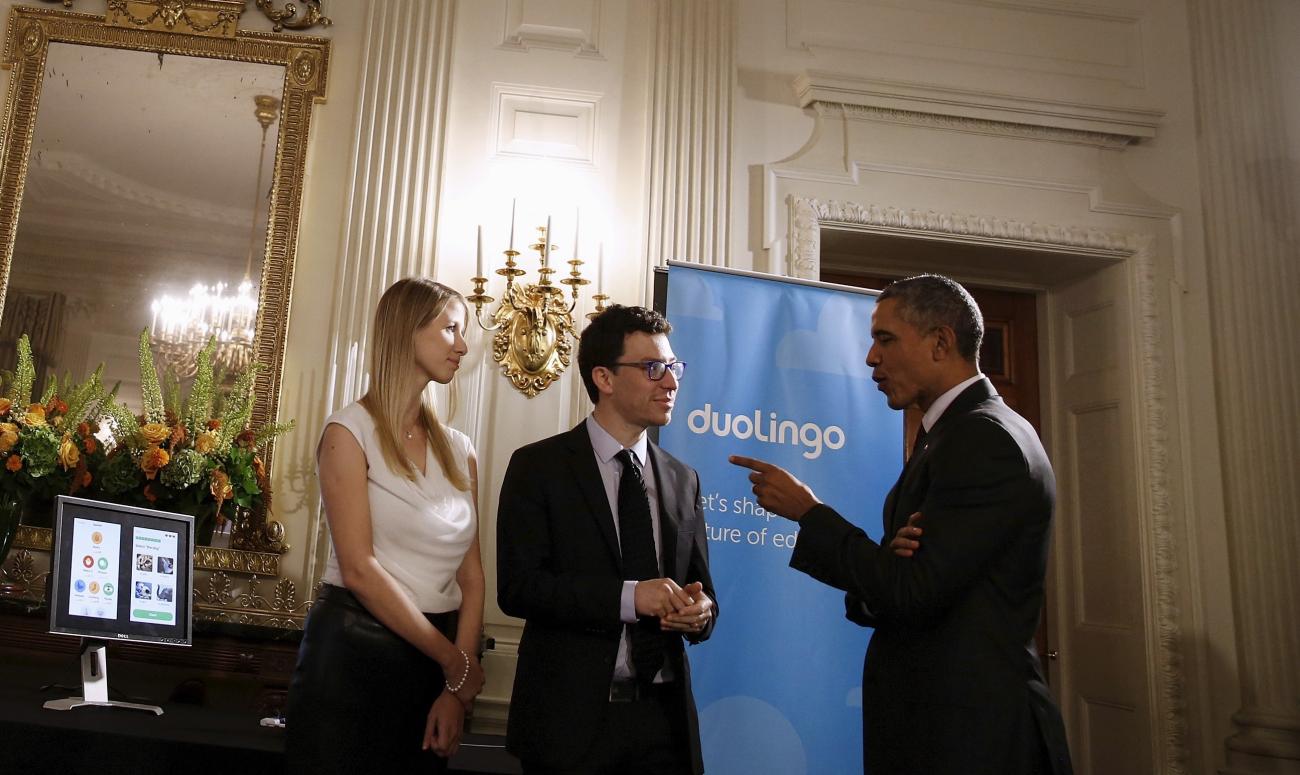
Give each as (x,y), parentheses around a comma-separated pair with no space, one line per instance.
(546,243)
(480,251)
(600,268)
(512,224)
(577,221)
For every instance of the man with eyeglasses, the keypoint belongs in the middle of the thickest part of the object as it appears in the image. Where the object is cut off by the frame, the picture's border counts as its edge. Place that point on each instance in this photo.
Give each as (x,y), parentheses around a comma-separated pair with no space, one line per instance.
(601,548)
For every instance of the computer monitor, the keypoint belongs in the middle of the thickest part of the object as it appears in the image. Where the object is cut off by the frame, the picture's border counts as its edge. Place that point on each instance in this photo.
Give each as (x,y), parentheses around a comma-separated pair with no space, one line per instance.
(120,573)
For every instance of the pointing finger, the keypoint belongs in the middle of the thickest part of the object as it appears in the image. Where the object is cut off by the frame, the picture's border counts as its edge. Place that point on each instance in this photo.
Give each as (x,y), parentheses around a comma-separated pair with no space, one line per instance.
(750,463)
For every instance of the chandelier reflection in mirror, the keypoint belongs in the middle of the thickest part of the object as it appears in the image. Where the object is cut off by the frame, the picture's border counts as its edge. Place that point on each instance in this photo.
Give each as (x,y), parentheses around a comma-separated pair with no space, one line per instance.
(534,321)
(182,325)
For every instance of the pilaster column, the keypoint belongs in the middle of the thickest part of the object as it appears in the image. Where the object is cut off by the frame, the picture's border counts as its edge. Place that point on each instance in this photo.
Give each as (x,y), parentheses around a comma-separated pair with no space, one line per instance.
(395,174)
(1253,250)
(690,132)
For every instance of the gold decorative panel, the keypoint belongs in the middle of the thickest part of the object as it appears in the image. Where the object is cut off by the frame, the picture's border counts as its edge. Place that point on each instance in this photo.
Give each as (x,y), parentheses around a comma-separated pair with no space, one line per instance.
(217,18)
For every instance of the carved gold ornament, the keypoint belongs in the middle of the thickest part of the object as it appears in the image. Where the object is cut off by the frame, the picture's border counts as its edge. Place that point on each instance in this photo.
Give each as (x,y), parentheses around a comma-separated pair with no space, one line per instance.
(287,18)
(215,18)
(534,322)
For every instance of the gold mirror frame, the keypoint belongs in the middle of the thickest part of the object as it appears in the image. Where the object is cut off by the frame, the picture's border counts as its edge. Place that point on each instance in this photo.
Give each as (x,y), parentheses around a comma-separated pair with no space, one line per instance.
(205,30)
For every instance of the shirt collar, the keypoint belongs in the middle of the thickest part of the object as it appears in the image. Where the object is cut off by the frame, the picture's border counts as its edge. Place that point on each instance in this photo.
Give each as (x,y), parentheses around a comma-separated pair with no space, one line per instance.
(944,401)
(606,446)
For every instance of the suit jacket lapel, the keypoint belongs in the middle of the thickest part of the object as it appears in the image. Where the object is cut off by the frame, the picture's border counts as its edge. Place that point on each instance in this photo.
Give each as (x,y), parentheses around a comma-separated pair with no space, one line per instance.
(669,513)
(966,401)
(587,474)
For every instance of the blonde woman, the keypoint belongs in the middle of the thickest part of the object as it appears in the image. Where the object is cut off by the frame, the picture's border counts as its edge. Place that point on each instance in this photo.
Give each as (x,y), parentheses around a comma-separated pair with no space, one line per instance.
(388,663)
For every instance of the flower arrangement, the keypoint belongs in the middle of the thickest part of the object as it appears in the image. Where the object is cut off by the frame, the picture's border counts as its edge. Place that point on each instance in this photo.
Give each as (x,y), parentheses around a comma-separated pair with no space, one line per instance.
(196,454)
(49,447)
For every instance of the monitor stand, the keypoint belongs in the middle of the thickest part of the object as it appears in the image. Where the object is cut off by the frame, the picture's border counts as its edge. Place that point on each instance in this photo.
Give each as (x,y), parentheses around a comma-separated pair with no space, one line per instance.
(94,683)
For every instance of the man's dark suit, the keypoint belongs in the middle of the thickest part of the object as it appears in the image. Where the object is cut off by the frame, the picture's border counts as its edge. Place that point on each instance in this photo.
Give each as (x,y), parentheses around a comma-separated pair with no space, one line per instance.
(558,567)
(952,681)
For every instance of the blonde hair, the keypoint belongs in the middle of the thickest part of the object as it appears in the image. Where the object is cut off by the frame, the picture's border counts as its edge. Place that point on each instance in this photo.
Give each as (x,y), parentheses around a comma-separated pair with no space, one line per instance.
(408,305)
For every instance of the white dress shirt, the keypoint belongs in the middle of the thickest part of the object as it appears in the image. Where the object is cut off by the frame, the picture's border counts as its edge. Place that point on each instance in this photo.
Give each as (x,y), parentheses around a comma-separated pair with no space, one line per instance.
(944,401)
(606,447)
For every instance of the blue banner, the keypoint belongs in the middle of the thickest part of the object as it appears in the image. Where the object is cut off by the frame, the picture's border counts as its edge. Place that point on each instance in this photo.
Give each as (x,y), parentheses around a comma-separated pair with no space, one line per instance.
(776,370)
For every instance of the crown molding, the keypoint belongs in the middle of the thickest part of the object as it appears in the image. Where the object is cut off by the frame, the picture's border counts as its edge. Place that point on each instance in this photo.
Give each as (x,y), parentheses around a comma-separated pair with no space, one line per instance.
(979,111)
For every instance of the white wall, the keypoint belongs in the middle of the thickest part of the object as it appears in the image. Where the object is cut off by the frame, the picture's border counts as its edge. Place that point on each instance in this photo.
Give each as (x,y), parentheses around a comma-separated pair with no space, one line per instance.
(1040,65)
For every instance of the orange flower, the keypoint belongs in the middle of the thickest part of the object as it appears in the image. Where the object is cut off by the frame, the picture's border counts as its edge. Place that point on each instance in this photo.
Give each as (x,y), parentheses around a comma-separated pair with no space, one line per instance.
(214,424)
(259,467)
(5,405)
(153,459)
(245,438)
(14,463)
(8,436)
(205,442)
(150,493)
(178,435)
(154,432)
(56,406)
(68,453)
(35,415)
(90,443)
(221,488)
(86,479)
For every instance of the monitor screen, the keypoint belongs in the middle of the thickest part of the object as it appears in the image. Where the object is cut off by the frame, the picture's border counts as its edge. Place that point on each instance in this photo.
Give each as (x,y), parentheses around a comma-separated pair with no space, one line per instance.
(121,572)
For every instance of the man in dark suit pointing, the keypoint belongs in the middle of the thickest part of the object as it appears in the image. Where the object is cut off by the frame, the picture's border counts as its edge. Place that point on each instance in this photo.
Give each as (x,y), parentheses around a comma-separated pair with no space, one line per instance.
(601,549)
(952,681)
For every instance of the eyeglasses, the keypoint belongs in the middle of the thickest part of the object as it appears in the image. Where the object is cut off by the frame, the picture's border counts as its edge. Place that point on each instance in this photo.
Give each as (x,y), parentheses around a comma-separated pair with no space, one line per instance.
(656,370)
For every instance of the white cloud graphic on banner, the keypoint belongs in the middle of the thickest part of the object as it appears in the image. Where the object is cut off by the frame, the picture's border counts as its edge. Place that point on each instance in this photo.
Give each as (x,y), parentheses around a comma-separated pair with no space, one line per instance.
(695,298)
(838,346)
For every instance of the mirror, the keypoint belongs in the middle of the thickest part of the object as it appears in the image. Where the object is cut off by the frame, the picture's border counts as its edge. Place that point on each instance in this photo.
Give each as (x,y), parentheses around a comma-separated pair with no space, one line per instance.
(139,163)
(148,175)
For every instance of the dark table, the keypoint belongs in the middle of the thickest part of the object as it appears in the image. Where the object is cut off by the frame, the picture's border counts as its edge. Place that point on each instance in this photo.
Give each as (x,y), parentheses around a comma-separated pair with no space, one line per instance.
(220,736)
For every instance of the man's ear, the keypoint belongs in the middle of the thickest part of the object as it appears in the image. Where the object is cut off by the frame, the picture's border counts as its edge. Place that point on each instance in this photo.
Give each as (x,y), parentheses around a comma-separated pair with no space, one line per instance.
(603,378)
(945,343)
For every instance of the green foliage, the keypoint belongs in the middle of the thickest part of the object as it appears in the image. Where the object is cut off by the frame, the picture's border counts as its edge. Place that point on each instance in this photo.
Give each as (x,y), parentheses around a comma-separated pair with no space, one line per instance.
(237,411)
(120,474)
(150,390)
(39,449)
(202,394)
(185,469)
(24,377)
(123,424)
(269,432)
(85,401)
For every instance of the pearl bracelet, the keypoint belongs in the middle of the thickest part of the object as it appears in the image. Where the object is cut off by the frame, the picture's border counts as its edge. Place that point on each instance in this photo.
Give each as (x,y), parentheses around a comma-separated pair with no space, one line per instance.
(463,676)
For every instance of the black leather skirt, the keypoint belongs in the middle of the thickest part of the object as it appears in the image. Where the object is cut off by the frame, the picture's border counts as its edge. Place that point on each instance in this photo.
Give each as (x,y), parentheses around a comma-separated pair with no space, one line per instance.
(360,694)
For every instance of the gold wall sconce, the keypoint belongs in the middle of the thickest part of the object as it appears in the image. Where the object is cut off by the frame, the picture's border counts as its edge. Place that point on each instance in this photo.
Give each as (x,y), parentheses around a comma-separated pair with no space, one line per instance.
(534,321)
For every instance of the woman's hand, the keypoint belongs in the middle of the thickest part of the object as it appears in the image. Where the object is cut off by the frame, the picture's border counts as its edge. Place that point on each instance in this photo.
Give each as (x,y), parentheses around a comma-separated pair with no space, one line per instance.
(464,677)
(443,728)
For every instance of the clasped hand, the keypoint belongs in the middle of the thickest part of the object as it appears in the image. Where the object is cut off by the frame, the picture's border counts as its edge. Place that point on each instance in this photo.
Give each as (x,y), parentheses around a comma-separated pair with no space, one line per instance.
(446,719)
(680,609)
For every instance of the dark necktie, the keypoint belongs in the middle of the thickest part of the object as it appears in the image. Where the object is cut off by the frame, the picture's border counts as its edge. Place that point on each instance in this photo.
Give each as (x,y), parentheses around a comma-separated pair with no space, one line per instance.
(919,443)
(637,544)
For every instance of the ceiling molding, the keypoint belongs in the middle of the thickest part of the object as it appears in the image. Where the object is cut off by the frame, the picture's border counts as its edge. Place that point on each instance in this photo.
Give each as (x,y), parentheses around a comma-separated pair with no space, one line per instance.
(979,111)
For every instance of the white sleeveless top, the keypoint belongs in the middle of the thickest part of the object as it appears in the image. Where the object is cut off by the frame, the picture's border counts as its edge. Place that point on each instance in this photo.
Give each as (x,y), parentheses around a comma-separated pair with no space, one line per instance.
(421,529)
